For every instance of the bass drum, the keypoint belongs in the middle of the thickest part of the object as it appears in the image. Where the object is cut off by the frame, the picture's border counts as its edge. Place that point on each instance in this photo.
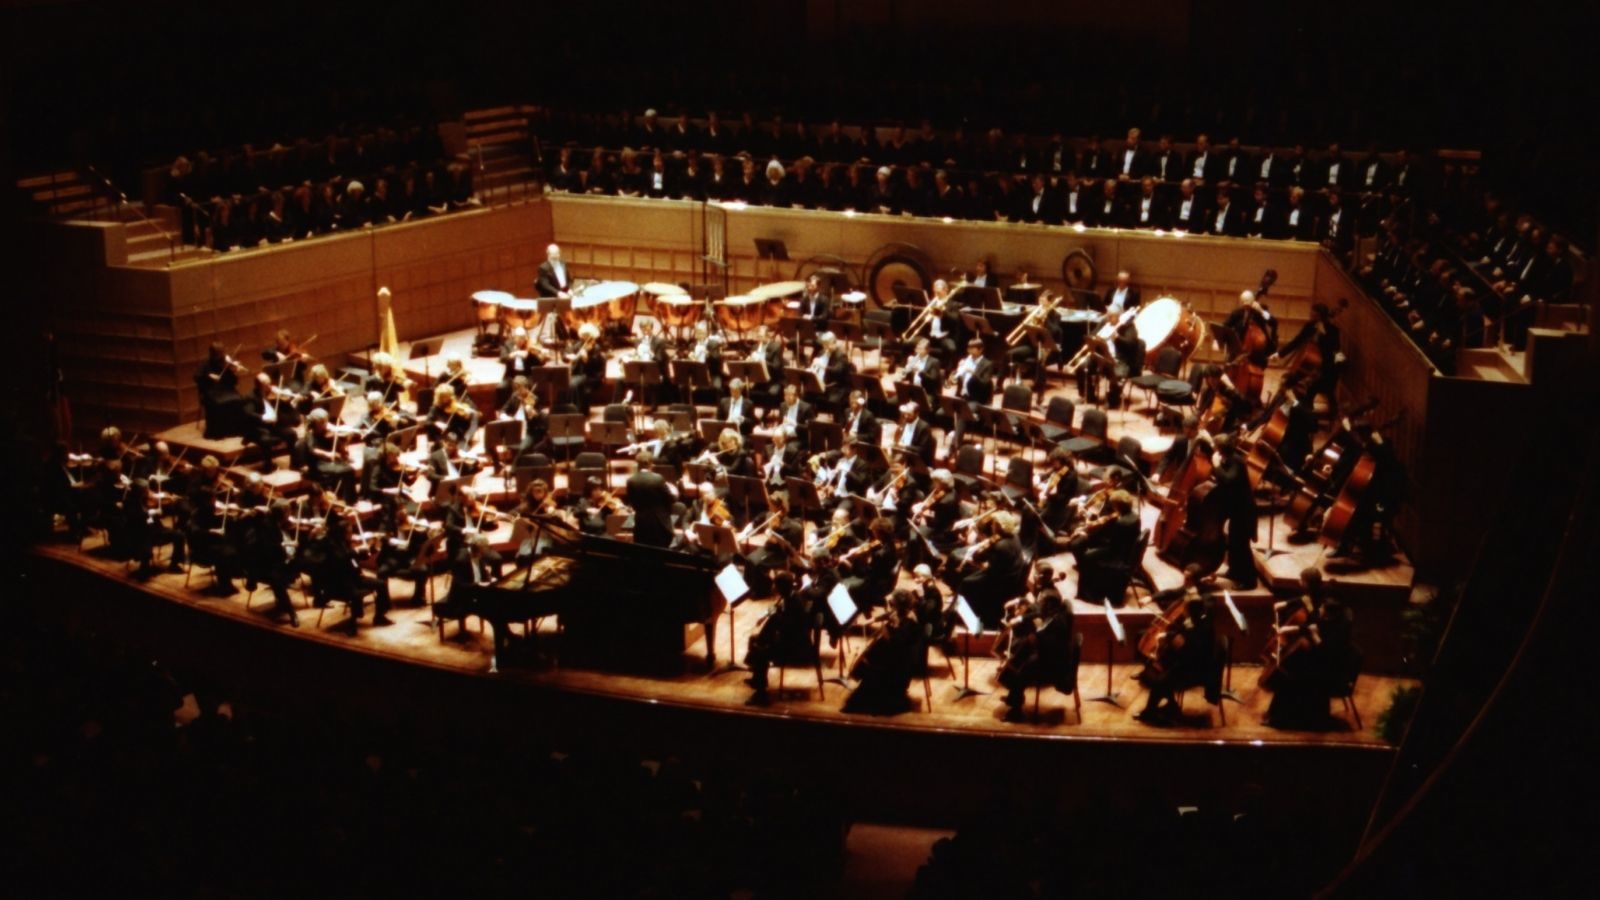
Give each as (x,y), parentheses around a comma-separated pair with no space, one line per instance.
(894,266)
(1078,271)
(1165,322)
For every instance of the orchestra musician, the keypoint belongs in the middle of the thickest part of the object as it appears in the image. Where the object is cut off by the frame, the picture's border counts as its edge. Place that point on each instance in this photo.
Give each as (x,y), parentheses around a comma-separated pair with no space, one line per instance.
(737,408)
(1119,360)
(1313,656)
(651,347)
(651,500)
(389,379)
(840,472)
(524,404)
(1221,405)
(319,457)
(334,565)
(206,533)
(290,357)
(1039,650)
(859,422)
(832,367)
(454,375)
(270,419)
(1253,336)
(869,571)
(922,369)
(1103,549)
(783,460)
(588,367)
(520,358)
(897,493)
(1178,452)
(911,436)
(944,320)
(783,637)
(383,481)
(785,537)
(445,461)
(1057,488)
(1238,503)
(474,565)
(794,412)
(883,670)
(730,457)
(378,421)
(449,415)
(768,348)
(319,386)
(1183,658)
(553,280)
(406,553)
(1000,571)
(1321,331)
(815,303)
(139,530)
(217,377)
(973,379)
(268,557)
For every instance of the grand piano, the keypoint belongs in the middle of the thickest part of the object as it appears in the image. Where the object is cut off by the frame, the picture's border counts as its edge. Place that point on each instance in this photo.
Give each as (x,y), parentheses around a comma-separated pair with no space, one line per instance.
(622,606)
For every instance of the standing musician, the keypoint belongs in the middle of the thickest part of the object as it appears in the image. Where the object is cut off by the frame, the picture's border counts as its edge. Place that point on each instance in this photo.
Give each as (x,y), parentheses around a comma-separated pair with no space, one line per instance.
(1252,336)
(1001,572)
(1103,548)
(737,408)
(1221,406)
(911,436)
(651,499)
(1320,331)
(553,280)
(815,303)
(1039,651)
(1057,488)
(973,379)
(859,422)
(270,419)
(217,377)
(922,369)
(319,386)
(1238,503)
(449,415)
(1183,658)
(1178,453)
(319,457)
(520,358)
(883,670)
(588,366)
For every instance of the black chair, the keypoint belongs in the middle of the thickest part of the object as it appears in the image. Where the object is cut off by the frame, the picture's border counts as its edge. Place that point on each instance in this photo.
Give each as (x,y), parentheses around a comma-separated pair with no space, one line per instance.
(1019,476)
(588,465)
(1168,363)
(567,433)
(1092,441)
(1058,415)
(1347,685)
(1017,397)
(1176,394)
(617,412)
(1064,678)
(968,468)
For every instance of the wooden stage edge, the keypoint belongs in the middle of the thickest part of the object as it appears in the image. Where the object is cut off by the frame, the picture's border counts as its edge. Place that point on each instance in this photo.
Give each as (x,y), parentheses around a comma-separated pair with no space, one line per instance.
(414,645)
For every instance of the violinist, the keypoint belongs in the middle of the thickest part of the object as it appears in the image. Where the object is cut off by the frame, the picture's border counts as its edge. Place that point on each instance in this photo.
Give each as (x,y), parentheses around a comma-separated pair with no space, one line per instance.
(450,415)
(705,509)
(388,379)
(922,368)
(998,570)
(446,461)
(782,637)
(934,518)
(836,538)
(167,472)
(524,404)
(785,535)
(911,436)
(206,531)
(270,419)
(1320,332)
(1182,658)
(869,571)
(590,507)
(883,670)
(1237,501)
(378,421)
(218,380)
(290,357)
(1057,489)
(454,375)
(405,553)
(338,574)
(139,531)
(1039,651)
(266,557)
(384,480)
(319,386)
(319,457)
(896,494)
(1103,549)
(519,357)
(859,422)
(587,366)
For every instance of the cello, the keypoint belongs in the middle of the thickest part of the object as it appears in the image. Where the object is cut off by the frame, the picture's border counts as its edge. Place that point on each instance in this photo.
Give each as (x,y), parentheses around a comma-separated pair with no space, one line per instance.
(1317,476)
(1202,539)
(1348,503)
(1174,507)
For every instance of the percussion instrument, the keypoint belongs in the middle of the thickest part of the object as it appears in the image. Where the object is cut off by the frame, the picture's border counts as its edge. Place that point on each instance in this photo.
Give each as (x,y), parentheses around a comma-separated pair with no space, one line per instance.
(1165,323)
(603,301)
(854,298)
(745,314)
(678,311)
(653,291)
(488,306)
(894,266)
(1078,270)
(519,312)
(777,290)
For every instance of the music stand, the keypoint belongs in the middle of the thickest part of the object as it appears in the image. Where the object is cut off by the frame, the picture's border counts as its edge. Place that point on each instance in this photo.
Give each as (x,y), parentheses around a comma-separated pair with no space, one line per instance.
(609,435)
(711,429)
(804,379)
(716,538)
(563,427)
(734,589)
(1244,628)
(405,438)
(872,455)
(910,390)
(745,492)
(501,433)
(641,373)
(803,497)
(977,324)
(1115,636)
(547,307)
(447,490)
(556,378)
(797,329)
(698,472)
(773,250)
(824,436)
(872,386)
(970,625)
(688,375)
(844,609)
(752,371)
(333,404)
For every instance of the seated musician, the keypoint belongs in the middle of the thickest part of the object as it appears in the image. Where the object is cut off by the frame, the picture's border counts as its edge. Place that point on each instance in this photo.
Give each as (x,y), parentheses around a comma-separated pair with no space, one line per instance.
(883,670)
(378,421)
(1183,659)
(935,517)
(383,481)
(320,457)
(474,565)
(922,369)
(524,404)
(870,570)
(520,358)
(406,553)
(334,565)
(1000,573)
(453,376)
(450,415)
(785,537)
(445,461)
(944,322)
(705,347)
(911,436)
(1039,651)
(270,420)
(267,554)
(209,543)
(1103,549)
(651,347)
(840,472)
(783,637)
(937,616)
(217,377)
(138,531)
(730,457)
(783,460)
(1221,406)
(1029,354)
(589,507)
(650,497)
(1117,361)
(973,379)
(1312,661)
(794,412)
(1057,488)
(737,408)
(1321,331)
(319,386)
(388,379)
(832,368)
(768,348)
(859,422)
(291,360)
(588,367)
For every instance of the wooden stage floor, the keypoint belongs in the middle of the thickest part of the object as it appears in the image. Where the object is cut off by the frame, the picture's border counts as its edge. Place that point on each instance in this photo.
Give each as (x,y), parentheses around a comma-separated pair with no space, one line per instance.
(412,640)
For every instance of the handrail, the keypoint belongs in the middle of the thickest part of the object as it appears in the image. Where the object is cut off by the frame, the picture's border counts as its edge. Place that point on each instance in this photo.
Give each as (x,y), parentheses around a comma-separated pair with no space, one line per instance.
(120,198)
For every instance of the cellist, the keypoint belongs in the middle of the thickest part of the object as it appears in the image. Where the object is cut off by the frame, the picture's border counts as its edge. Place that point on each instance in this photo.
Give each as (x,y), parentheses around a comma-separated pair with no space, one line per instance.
(1319,336)
(1255,337)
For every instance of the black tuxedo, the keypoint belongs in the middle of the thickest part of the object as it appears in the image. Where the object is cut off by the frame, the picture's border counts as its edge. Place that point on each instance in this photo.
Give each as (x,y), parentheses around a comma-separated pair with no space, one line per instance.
(648,494)
(1157,215)
(1196,222)
(803,414)
(815,307)
(920,442)
(1300,228)
(1166,167)
(980,384)
(747,412)
(861,426)
(550,282)
(1131,301)
(1226,221)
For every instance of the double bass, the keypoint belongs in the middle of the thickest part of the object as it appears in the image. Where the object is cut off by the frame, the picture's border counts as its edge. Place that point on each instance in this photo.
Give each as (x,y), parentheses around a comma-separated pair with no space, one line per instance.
(1174,507)
(1202,540)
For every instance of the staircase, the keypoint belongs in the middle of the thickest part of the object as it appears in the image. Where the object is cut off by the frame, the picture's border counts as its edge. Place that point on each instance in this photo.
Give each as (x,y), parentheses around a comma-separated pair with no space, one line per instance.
(82,194)
(500,144)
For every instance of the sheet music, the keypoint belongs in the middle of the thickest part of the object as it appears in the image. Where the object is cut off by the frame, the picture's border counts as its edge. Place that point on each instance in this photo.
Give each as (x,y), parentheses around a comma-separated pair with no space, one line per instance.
(844,608)
(732,585)
(1238,617)
(969,619)
(1116,624)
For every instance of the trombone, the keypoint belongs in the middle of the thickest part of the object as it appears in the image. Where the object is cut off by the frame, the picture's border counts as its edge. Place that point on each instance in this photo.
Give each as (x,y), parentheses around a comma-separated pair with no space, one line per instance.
(1035,317)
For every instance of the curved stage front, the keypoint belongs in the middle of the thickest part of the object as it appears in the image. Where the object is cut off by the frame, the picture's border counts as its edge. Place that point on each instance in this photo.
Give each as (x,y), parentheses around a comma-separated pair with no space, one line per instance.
(928,765)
